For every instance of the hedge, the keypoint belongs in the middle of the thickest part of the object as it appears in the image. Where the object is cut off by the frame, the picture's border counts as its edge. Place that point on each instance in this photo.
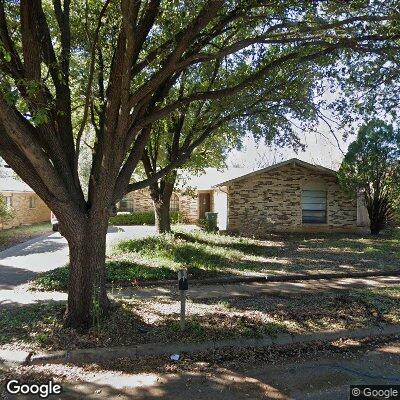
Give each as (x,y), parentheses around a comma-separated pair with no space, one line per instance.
(141,218)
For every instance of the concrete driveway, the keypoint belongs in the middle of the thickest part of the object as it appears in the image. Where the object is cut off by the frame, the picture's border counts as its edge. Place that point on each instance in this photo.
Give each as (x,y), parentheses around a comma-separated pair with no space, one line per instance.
(20,263)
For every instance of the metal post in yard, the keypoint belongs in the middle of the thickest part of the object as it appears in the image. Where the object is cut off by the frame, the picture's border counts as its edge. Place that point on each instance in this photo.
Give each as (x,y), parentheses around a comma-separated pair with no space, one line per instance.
(183,287)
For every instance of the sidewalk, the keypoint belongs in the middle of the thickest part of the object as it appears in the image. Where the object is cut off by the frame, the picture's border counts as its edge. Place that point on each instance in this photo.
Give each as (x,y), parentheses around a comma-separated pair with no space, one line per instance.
(256,289)
(21,295)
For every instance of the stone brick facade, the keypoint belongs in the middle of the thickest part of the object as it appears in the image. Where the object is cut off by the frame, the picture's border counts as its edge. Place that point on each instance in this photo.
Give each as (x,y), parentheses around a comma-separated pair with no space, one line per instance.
(141,200)
(188,204)
(189,207)
(28,208)
(271,201)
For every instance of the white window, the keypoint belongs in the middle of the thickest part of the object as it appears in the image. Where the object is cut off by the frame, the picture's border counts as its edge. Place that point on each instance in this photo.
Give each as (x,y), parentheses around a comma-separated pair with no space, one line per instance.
(125,205)
(9,202)
(32,202)
(174,203)
(313,205)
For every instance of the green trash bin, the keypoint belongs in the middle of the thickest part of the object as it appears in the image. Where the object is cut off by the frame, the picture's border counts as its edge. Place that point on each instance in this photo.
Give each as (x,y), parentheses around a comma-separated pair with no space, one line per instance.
(212,221)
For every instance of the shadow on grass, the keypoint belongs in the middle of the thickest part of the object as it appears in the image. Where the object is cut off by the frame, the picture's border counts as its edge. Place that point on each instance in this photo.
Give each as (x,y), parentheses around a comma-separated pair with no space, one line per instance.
(27,322)
(323,311)
(208,255)
(242,245)
(40,325)
(321,247)
(131,323)
(120,273)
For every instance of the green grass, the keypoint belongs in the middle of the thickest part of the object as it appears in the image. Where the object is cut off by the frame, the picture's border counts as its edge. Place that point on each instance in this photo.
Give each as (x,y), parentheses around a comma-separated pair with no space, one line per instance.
(27,323)
(212,254)
(117,272)
(12,236)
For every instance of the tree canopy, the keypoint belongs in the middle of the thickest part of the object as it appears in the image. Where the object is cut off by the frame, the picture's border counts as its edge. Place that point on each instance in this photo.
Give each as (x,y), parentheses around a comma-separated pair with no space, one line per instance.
(372,168)
(118,63)
(201,134)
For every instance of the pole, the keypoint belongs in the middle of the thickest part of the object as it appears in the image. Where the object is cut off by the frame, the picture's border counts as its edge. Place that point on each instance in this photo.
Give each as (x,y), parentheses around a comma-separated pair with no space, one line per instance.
(183,308)
(183,287)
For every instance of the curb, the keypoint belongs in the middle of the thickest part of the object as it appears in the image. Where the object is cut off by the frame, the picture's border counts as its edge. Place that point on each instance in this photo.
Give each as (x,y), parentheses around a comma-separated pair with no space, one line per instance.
(84,356)
(14,358)
(262,279)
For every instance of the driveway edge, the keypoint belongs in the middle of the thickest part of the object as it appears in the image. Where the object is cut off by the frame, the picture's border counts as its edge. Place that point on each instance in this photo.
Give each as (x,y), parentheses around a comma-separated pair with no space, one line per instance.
(84,356)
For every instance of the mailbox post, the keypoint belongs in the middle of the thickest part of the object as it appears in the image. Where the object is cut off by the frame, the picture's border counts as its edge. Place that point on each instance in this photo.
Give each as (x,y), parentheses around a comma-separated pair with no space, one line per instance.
(183,287)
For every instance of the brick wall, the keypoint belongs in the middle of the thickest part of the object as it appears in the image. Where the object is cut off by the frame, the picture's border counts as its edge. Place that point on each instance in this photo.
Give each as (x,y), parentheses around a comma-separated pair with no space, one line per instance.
(188,204)
(141,200)
(271,201)
(23,213)
(189,207)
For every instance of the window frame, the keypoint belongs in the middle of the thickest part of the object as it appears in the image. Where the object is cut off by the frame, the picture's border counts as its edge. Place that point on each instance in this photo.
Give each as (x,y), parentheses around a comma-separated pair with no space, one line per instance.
(174,203)
(9,201)
(126,200)
(32,202)
(317,209)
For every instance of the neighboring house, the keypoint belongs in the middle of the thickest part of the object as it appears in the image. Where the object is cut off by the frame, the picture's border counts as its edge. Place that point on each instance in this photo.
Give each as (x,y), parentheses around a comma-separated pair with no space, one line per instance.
(289,196)
(197,197)
(140,201)
(27,206)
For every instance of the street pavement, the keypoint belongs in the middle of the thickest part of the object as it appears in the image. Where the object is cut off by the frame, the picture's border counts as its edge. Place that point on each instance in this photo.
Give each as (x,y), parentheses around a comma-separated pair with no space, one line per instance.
(328,377)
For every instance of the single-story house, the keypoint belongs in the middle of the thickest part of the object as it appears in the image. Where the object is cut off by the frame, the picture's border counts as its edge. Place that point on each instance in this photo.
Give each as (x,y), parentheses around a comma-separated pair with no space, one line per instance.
(291,196)
(288,196)
(27,207)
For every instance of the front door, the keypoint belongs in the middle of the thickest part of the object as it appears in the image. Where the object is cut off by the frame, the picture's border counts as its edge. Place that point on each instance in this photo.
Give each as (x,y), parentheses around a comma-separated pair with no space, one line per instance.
(204,204)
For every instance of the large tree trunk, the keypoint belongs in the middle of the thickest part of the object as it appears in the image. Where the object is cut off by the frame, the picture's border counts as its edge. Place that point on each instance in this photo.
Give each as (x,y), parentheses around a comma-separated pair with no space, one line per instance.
(161,211)
(161,193)
(377,216)
(87,296)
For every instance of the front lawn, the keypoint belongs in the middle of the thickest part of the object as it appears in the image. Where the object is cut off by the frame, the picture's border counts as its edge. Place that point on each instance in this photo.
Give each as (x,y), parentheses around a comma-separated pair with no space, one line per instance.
(209,255)
(20,234)
(39,326)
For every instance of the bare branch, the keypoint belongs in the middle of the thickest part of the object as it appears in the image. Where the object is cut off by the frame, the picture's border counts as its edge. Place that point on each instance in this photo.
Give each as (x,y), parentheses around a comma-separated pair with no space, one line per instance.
(90,80)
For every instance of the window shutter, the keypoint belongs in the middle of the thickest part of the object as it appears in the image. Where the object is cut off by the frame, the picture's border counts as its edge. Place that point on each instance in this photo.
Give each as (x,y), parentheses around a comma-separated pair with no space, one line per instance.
(313,205)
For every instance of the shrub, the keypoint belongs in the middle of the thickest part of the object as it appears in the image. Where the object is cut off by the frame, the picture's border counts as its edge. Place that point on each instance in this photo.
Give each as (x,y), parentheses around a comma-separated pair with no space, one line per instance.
(176,217)
(6,213)
(209,224)
(141,218)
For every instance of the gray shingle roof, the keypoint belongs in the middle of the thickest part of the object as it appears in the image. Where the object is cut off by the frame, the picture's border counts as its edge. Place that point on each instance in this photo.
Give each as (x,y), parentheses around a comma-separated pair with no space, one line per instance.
(9,184)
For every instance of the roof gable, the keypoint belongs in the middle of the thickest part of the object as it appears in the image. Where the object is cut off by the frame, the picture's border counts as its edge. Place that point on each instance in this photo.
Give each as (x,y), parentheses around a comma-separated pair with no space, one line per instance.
(10,184)
(292,161)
